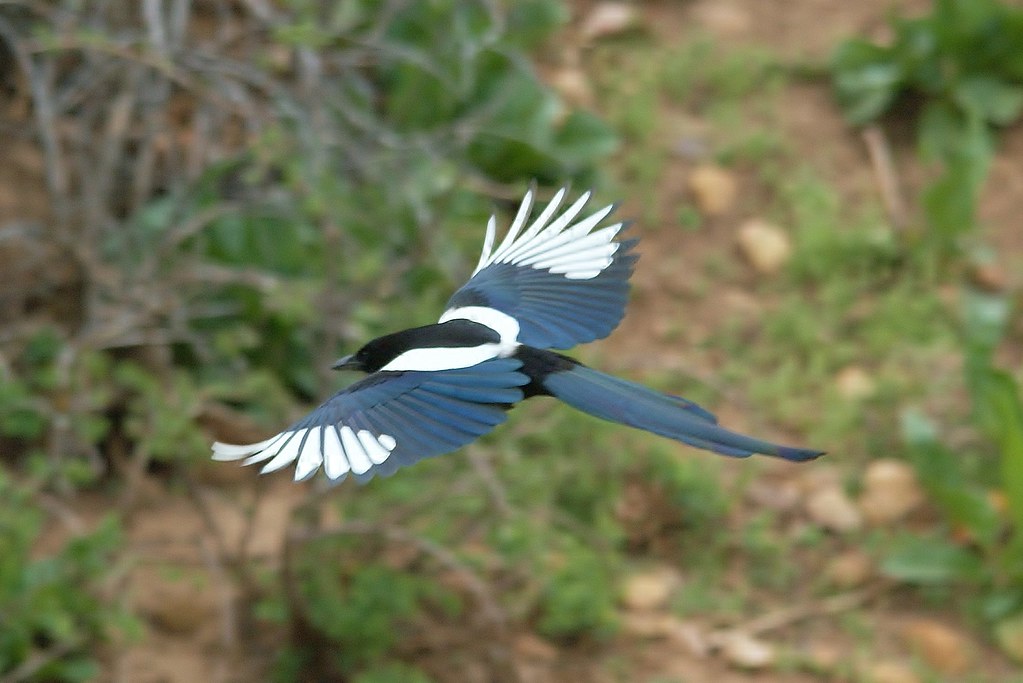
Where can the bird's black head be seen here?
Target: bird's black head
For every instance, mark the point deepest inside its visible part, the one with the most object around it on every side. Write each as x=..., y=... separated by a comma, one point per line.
x=382, y=350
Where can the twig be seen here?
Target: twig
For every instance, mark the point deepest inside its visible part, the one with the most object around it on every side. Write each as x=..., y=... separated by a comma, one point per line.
x=833, y=604
x=887, y=179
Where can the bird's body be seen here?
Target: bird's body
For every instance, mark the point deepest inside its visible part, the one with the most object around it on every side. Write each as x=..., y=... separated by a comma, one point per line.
x=435, y=388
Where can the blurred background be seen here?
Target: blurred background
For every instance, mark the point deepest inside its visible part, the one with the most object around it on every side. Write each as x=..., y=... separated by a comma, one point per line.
x=203, y=203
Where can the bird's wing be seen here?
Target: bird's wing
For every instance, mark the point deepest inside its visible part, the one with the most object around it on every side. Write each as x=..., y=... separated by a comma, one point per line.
x=560, y=282
x=389, y=420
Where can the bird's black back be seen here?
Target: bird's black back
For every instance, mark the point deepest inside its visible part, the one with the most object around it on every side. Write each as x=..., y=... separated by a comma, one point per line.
x=538, y=364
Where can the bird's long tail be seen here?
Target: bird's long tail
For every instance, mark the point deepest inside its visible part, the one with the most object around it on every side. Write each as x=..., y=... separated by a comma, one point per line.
x=619, y=400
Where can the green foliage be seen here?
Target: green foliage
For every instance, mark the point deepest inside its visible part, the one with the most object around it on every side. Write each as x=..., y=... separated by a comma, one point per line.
x=962, y=484
x=963, y=61
x=51, y=606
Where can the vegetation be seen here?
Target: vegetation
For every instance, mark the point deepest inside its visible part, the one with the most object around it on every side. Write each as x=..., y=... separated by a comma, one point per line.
x=963, y=66
x=242, y=190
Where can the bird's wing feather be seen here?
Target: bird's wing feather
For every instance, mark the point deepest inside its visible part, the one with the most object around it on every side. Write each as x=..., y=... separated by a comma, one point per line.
x=389, y=420
x=563, y=280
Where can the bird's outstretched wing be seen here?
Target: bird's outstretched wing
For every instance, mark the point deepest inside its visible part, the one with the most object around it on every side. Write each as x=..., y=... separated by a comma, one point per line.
x=559, y=283
x=389, y=420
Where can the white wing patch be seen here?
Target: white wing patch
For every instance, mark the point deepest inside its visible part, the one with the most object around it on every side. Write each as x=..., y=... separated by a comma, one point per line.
x=436, y=358
x=559, y=246
x=338, y=449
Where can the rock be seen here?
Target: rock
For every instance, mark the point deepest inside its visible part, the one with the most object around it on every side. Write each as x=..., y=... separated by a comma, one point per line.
x=609, y=19
x=1009, y=634
x=849, y=569
x=766, y=246
x=744, y=651
x=724, y=18
x=714, y=189
x=890, y=491
x=832, y=509
x=854, y=383
x=574, y=86
x=648, y=624
x=650, y=590
x=889, y=671
x=946, y=650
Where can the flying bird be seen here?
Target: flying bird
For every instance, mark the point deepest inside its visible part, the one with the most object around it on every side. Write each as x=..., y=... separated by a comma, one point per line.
x=559, y=282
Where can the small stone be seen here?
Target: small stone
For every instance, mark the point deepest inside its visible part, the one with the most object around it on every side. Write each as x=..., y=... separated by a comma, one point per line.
x=648, y=624
x=1009, y=634
x=609, y=19
x=890, y=491
x=854, y=383
x=832, y=509
x=889, y=671
x=947, y=651
x=574, y=86
x=714, y=189
x=650, y=590
x=766, y=246
x=724, y=18
x=849, y=569
x=744, y=651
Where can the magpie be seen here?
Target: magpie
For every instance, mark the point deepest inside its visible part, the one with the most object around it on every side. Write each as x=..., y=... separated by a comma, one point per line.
x=561, y=281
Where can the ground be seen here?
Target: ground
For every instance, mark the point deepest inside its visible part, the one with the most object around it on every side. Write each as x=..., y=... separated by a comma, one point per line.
x=193, y=625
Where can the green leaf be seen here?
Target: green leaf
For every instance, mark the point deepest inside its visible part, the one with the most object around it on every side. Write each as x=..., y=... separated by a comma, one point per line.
x=866, y=80
x=931, y=560
x=985, y=317
x=1003, y=410
x=530, y=22
x=991, y=98
x=942, y=476
x=583, y=139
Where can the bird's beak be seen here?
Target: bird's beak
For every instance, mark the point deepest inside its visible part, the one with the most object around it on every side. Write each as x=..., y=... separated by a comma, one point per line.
x=348, y=362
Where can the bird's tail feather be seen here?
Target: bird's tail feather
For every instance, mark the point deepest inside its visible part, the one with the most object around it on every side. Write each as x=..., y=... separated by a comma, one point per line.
x=619, y=400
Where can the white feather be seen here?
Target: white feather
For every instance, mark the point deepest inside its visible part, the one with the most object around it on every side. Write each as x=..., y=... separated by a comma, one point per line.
x=230, y=451
x=551, y=243
x=356, y=455
x=287, y=454
x=552, y=230
x=488, y=242
x=335, y=463
x=311, y=457
x=501, y=254
x=376, y=452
